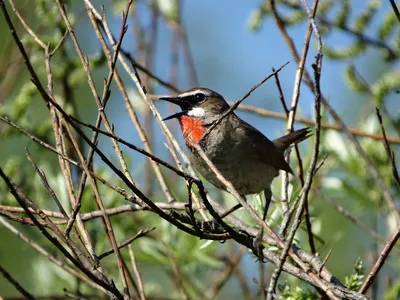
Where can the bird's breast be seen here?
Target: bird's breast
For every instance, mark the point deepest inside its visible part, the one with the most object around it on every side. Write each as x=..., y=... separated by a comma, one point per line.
x=192, y=129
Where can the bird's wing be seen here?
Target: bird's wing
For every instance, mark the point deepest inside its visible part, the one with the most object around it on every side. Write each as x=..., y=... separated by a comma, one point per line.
x=266, y=150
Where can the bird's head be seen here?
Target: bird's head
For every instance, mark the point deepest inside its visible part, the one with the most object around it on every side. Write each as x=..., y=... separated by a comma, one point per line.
x=200, y=103
x=200, y=108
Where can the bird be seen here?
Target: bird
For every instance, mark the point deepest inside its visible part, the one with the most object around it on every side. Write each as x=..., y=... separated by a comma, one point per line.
x=240, y=152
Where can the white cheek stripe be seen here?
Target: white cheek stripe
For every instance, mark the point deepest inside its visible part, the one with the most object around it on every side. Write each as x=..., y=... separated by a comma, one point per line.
x=197, y=112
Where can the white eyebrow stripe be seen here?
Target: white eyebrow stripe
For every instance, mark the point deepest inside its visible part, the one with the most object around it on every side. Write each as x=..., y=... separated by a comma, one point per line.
x=197, y=112
x=193, y=92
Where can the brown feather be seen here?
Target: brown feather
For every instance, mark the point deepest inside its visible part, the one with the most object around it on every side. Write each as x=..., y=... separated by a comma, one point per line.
x=267, y=150
x=293, y=137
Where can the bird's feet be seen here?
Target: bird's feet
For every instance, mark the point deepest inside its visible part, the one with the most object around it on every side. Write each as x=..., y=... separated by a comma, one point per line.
x=258, y=246
x=212, y=226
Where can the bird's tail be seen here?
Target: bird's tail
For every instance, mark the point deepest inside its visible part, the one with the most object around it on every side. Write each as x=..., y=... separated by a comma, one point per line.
x=294, y=137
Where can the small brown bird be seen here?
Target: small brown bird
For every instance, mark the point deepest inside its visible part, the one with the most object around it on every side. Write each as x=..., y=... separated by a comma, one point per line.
x=243, y=155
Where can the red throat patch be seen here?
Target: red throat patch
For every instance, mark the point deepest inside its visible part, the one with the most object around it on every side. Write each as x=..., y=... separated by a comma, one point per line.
x=192, y=129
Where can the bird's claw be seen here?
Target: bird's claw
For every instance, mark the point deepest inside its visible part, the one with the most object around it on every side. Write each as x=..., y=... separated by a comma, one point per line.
x=212, y=226
x=258, y=246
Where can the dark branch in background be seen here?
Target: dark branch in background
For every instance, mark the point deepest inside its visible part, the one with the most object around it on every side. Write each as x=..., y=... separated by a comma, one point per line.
x=16, y=284
x=237, y=103
x=390, y=244
x=350, y=217
x=102, y=282
x=389, y=152
x=63, y=264
x=313, y=164
x=379, y=263
x=244, y=235
x=261, y=111
x=395, y=9
x=109, y=231
x=283, y=116
x=163, y=206
x=103, y=103
x=345, y=28
x=134, y=189
x=372, y=170
x=226, y=273
x=140, y=234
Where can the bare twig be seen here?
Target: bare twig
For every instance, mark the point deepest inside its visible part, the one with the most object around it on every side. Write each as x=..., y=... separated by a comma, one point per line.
x=395, y=9
x=132, y=114
x=389, y=152
x=379, y=263
x=237, y=236
x=283, y=116
x=140, y=234
x=46, y=184
x=372, y=170
x=149, y=49
x=237, y=103
x=325, y=260
x=51, y=258
x=350, y=217
x=107, y=224
x=26, y=26
x=226, y=273
x=314, y=159
x=101, y=105
x=16, y=284
x=82, y=264
x=137, y=274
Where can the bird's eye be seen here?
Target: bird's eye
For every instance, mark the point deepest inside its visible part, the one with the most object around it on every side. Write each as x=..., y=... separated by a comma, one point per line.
x=199, y=97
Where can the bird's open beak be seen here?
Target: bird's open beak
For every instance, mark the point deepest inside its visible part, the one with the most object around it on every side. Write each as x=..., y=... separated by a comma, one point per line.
x=183, y=104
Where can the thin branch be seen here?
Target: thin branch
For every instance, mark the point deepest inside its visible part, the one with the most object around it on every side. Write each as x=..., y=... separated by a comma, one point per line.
x=26, y=26
x=45, y=183
x=372, y=170
x=241, y=239
x=132, y=114
x=101, y=106
x=313, y=164
x=221, y=279
x=389, y=152
x=283, y=116
x=395, y=9
x=237, y=103
x=16, y=284
x=107, y=224
x=138, y=235
x=350, y=217
x=137, y=274
x=17, y=193
x=62, y=264
x=379, y=263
